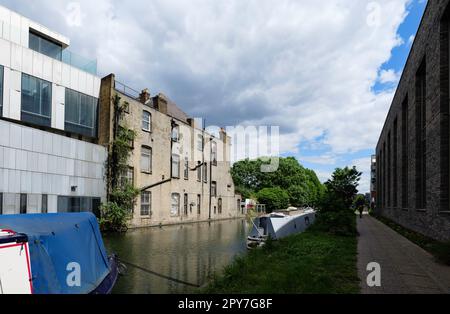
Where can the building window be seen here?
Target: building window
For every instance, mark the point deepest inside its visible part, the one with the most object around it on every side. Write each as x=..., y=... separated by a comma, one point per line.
x=219, y=205
x=36, y=100
x=214, y=189
x=69, y=204
x=1, y=90
x=127, y=177
x=405, y=158
x=389, y=172
x=146, y=203
x=175, y=166
x=199, y=204
x=146, y=121
x=146, y=159
x=421, y=160
x=238, y=206
x=43, y=45
x=23, y=203
x=81, y=113
x=186, y=168
x=205, y=172
x=175, y=133
x=200, y=142
x=1, y=203
x=185, y=204
x=214, y=153
x=199, y=171
x=44, y=204
x=175, y=208
x=395, y=164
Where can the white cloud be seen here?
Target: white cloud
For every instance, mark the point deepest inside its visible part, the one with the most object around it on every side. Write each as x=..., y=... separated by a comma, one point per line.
x=411, y=39
x=389, y=76
x=306, y=66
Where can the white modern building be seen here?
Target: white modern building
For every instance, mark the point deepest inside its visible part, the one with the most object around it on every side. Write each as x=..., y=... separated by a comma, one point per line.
x=49, y=161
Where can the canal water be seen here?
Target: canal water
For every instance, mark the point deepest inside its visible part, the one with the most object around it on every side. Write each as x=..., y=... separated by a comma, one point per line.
x=190, y=253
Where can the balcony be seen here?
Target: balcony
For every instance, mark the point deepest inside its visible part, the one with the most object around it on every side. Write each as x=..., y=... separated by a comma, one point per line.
x=16, y=35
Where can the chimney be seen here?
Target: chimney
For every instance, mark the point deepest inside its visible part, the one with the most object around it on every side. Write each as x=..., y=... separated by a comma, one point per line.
x=144, y=97
x=223, y=135
x=161, y=103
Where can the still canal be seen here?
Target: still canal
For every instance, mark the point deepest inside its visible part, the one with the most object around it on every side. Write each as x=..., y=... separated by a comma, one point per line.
x=188, y=253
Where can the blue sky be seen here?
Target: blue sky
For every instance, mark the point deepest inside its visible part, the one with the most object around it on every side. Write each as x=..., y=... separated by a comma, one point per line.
x=396, y=62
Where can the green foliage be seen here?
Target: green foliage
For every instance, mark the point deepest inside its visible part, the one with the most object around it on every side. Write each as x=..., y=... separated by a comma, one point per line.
x=302, y=184
x=360, y=202
x=121, y=196
x=342, y=223
x=310, y=262
x=273, y=198
x=344, y=185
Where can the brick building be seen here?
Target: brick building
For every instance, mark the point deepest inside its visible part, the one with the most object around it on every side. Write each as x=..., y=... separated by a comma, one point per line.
x=183, y=171
x=413, y=150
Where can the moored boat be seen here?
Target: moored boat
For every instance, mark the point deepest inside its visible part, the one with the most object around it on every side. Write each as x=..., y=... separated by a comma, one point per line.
x=54, y=254
x=279, y=225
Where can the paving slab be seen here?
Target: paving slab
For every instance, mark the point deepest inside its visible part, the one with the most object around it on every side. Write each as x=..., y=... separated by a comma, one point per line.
x=405, y=267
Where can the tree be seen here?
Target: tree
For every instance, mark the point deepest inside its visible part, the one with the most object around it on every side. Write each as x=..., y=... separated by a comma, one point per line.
x=274, y=198
x=343, y=186
x=302, y=184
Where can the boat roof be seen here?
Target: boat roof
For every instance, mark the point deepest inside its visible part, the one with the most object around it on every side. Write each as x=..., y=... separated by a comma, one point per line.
x=60, y=244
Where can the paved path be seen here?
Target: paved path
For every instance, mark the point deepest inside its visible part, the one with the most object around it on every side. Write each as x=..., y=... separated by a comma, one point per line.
x=405, y=267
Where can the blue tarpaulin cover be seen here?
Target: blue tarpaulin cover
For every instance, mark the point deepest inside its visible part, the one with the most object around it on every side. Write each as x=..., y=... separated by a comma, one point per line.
x=56, y=241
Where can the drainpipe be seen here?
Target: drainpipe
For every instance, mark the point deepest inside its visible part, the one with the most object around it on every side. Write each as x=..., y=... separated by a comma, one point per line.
x=210, y=176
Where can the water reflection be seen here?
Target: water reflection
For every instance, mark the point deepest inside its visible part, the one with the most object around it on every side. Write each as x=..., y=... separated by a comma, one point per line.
x=191, y=253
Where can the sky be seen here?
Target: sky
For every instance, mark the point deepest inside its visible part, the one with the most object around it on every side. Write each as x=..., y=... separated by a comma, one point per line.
x=325, y=72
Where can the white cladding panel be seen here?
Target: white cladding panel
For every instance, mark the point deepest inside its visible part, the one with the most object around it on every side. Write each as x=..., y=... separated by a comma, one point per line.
x=38, y=162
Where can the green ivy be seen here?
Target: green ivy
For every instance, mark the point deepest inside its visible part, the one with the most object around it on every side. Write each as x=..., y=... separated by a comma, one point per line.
x=116, y=213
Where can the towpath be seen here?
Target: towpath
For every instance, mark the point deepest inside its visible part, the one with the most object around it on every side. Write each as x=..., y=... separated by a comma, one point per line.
x=405, y=267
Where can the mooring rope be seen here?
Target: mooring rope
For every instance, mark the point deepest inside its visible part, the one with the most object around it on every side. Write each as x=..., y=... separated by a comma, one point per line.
x=160, y=275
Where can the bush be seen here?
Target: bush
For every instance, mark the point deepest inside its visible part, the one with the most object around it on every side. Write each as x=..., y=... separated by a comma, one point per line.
x=341, y=223
x=273, y=198
x=442, y=252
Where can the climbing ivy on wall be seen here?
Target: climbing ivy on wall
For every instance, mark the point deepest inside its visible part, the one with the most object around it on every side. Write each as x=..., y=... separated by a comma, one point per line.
x=116, y=213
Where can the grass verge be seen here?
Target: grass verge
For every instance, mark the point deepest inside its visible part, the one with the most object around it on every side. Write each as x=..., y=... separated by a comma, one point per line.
x=311, y=262
x=440, y=250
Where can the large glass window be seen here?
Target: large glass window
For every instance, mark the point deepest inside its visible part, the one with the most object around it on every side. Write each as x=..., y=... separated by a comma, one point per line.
x=175, y=206
x=1, y=90
x=36, y=100
x=81, y=113
x=176, y=133
x=146, y=159
x=69, y=204
x=146, y=201
x=42, y=45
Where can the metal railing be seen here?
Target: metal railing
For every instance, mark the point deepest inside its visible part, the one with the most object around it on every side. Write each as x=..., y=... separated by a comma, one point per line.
x=126, y=90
